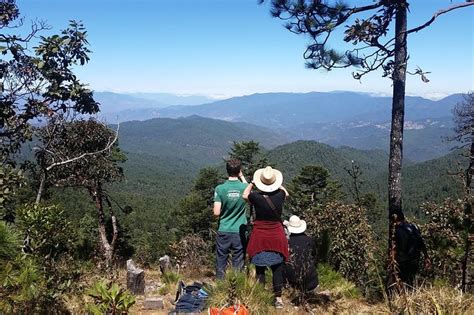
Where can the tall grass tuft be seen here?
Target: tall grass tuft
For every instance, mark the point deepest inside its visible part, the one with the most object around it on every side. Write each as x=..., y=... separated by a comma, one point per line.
x=170, y=279
x=333, y=281
x=433, y=300
x=243, y=290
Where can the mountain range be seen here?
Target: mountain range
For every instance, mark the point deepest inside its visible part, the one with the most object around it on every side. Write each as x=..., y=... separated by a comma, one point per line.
x=284, y=110
x=358, y=120
x=113, y=105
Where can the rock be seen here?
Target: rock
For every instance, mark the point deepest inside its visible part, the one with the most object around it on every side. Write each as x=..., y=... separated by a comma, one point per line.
x=165, y=263
x=135, y=278
x=153, y=303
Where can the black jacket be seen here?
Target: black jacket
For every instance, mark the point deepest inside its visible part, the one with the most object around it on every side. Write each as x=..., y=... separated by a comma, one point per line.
x=409, y=242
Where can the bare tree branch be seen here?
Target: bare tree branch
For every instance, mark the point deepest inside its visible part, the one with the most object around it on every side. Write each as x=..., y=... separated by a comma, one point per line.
x=63, y=162
x=441, y=12
x=109, y=145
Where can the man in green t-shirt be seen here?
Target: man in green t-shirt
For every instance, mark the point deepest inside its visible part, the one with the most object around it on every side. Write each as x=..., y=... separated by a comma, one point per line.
x=230, y=208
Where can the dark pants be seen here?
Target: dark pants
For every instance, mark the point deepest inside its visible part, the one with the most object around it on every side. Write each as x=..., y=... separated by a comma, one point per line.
x=303, y=278
x=277, y=277
x=408, y=271
x=225, y=244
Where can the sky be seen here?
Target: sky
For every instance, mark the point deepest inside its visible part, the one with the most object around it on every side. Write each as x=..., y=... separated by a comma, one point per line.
x=224, y=48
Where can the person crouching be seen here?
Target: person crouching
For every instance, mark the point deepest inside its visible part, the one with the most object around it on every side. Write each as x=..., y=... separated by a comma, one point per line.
x=300, y=270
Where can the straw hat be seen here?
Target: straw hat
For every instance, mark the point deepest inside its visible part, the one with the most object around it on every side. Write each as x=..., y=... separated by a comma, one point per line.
x=295, y=225
x=268, y=179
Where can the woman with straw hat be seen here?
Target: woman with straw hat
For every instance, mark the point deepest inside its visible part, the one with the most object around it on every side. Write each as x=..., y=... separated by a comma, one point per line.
x=268, y=246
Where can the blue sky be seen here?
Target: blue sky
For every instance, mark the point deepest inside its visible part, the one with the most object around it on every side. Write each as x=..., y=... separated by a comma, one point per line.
x=225, y=48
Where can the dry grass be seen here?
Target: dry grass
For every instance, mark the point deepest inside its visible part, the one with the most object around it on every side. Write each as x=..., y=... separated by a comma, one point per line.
x=433, y=300
x=246, y=290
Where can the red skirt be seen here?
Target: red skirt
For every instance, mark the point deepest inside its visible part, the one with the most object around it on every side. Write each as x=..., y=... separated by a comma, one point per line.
x=268, y=236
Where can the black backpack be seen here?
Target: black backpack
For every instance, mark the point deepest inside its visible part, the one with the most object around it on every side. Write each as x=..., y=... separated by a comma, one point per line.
x=414, y=241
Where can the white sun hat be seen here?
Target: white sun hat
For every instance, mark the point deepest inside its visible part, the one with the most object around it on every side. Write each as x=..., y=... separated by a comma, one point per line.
x=295, y=225
x=268, y=179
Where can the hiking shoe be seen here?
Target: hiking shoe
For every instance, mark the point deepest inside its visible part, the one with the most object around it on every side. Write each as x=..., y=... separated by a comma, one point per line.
x=279, y=303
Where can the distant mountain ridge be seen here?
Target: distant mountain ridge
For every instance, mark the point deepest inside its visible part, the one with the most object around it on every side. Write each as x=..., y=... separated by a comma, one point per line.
x=283, y=110
x=359, y=120
x=112, y=104
x=277, y=110
x=173, y=99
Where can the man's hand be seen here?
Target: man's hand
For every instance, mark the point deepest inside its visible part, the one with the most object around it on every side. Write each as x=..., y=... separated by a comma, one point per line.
x=242, y=177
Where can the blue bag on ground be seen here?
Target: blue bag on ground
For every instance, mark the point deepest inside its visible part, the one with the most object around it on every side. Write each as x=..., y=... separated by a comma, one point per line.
x=190, y=299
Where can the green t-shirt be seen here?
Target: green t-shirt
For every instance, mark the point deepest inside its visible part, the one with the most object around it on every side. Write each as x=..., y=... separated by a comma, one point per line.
x=233, y=206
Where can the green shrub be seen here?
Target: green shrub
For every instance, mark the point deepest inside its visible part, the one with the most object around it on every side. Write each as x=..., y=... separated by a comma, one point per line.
x=109, y=298
x=238, y=288
x=23, y=287
x=22, y=282
x=10, y=243
x=39, y=280
x=170, y=279
x=48, y=229
x=347, y=236
x=445, y=235
x=336, y=283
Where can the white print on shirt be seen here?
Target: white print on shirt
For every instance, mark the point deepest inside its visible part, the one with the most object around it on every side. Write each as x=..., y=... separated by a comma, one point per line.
x=233, y=194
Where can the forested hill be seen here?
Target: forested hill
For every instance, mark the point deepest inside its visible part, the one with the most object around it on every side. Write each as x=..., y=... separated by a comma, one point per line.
x=424, y=139
x=426, y=181
x=201, y=141
x=164, y=155
x=290, y=158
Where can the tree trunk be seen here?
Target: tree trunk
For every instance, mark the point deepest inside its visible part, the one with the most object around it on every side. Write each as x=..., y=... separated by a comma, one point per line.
x=114, y=224
x=466, y=283
x=41, y=187
x=107, y=248
x=470, y=170
x=398, y=113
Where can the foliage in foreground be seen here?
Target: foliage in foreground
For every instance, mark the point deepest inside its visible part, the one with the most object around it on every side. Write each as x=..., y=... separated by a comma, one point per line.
x=444, y=235
x=109, y=298
x=39, y=277
x=333, y=281
x=238, y=288
x=347, y=238
x=170, y=279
